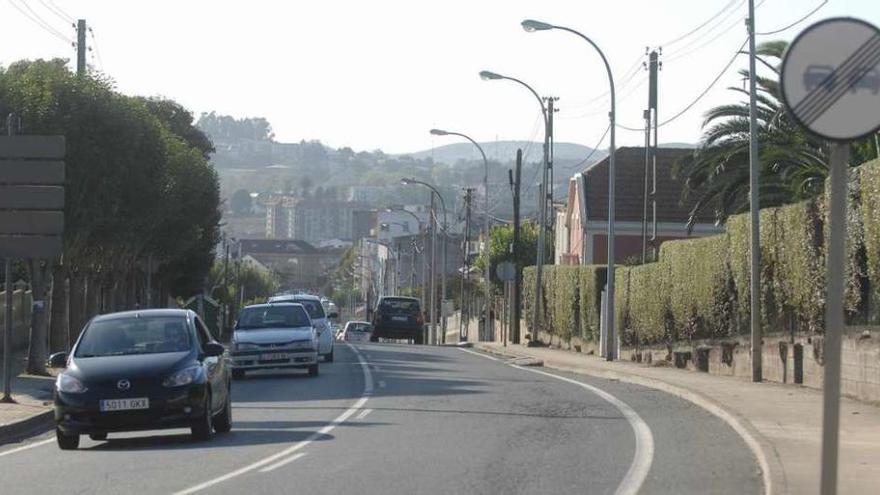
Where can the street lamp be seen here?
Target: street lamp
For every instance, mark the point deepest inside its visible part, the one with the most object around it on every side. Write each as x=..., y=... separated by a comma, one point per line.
x=532, y=26
x=411, y=181
x=542, y=206
x=440, y=132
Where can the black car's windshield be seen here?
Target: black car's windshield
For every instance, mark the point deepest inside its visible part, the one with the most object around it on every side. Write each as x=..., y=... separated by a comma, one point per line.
x=135, y=335
x=281, y=316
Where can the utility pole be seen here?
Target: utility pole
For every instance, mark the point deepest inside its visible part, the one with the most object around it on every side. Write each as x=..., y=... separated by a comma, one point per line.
x=542, y=232
x=515, y=181
x=433, y=273
x=13, y=124
x=754, y=211
x=650, y=116
x=551, y=220
x=81, y=47
x=462, y=334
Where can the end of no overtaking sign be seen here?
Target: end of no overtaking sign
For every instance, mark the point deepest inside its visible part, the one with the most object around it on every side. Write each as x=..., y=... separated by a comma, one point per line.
x=831, y=78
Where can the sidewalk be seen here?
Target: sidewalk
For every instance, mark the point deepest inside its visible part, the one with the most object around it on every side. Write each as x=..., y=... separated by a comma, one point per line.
x=781, y=423
x=32, y=410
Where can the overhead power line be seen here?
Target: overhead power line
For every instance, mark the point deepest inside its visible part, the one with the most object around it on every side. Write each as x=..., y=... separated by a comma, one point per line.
x=595, y=148
x=36, y=19
x=704, y=24
x=698, y=98
x=795, y=23
x=51, y=7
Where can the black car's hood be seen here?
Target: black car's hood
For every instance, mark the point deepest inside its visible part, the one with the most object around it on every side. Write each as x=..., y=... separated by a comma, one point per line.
x=97, y=369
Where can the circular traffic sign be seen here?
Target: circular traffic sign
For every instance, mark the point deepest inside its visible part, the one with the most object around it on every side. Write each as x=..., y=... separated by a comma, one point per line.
x=830, y=78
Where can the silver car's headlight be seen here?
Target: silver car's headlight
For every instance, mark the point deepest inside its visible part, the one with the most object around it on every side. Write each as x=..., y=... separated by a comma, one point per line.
x=302, y=344
x=69, y=385
x=244, y=346
x=183, y=377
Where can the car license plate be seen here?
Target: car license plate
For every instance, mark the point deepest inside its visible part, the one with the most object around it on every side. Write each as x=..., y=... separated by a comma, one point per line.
x=275, y=356
x=110, y=405
x=399, y=318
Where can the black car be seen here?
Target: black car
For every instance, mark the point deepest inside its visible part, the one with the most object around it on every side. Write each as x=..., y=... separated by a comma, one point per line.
x=398, y=318
x=142, y=370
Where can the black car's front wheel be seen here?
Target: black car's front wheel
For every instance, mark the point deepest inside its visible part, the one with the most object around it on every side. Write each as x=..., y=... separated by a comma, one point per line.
x=204, y=427
x=66, y=442
x=223, y=421
x=238, y=374
x=98, y=437
x=313, y=370
x=328, y=358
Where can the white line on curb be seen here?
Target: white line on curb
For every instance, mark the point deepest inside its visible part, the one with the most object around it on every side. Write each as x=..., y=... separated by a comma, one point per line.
x=368, y=389
x=28, y=446
x=282, y=463
x=644, y=451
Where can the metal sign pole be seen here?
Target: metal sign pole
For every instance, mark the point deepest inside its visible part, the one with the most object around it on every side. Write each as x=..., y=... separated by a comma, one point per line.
x=7, y=333
x=834, y=321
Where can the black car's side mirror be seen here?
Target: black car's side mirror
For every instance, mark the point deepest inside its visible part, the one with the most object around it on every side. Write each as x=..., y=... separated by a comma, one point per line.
x=57, y=360
x=333, y=315
x=213, y=349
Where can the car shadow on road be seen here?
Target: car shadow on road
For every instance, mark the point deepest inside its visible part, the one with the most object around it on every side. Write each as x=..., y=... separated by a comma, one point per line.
x=235, y=438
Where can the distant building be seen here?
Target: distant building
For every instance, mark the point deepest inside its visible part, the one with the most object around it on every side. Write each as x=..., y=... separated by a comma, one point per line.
x=310, y=219
x=582, y=229
x=298, y=264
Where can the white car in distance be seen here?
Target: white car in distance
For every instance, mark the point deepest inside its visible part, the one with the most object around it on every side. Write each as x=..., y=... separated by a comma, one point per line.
x=357, y=331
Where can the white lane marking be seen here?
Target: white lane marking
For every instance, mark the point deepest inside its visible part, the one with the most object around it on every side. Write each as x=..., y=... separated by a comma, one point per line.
x=381, y=383
x=364, y=413
x=644, y=452
x=482, y=355
x=282, y=463
x=368, y=390
x=26, y=447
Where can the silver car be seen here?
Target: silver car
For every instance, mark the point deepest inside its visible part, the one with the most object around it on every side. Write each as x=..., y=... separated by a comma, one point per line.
x=320, y=319
x=272, y=336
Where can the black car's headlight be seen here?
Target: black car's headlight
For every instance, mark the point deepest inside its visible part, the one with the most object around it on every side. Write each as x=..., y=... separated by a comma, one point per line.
x=69, y=385
x=183, y=377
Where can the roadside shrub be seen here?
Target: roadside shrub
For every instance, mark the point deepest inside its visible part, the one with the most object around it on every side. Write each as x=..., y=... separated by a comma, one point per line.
x=590, y=285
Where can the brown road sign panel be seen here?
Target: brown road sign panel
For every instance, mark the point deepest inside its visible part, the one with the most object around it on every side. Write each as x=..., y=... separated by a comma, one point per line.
x=31, y=172
x=32, y=147
x=31, y=222
x=30, y=246
x=31, y=198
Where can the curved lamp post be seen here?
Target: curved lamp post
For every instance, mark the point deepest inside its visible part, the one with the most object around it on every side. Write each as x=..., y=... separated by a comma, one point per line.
x=532, y=26
x=415, y=250
x=542, y=206
x=409, y=181
x=439, y=132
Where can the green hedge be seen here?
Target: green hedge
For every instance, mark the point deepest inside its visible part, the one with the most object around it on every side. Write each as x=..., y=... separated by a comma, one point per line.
x=700, y=288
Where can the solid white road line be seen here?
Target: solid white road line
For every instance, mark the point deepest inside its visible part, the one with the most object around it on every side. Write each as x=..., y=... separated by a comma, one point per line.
x=644, y=452
x=364, y=413
x=481, y=354
x=368, y=390
x=282, y=463
x=26, y=447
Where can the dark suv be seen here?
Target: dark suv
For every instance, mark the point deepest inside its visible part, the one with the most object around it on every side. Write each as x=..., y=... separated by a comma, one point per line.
x=398, y=318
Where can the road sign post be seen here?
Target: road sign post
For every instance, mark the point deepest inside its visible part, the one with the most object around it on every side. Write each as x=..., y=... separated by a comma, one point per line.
x=31, y=212
x=830, y=82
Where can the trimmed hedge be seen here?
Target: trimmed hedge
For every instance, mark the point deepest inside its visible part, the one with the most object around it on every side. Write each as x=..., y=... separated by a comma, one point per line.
x=700, y=288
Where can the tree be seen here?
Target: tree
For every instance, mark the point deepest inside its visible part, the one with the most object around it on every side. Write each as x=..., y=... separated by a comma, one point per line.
x=793, y=161
x=500, y=241
x=241, y=202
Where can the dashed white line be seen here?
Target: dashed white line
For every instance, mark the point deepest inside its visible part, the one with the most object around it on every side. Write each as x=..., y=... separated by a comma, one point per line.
x=368, y=390
x=644, y=451
x=364, y=413
x=282, y=463
x=26, y=447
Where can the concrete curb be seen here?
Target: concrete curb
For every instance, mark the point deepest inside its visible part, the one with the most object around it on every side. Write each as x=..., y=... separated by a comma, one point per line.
x=18, y=430
x=772, y=470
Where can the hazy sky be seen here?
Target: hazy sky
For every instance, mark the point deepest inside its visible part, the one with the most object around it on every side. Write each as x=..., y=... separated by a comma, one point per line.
x=379, y=73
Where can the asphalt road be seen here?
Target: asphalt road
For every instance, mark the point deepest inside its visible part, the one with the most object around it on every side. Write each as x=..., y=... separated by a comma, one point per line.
x=413, y=419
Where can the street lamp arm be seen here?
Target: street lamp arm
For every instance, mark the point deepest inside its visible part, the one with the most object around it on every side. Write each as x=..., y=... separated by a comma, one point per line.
x=535, y=93
x=601, y=54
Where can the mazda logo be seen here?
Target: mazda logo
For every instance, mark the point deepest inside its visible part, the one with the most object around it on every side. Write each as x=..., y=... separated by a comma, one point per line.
x=123, y=384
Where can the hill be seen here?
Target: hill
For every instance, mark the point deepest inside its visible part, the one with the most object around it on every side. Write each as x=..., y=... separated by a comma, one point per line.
x=503, y=151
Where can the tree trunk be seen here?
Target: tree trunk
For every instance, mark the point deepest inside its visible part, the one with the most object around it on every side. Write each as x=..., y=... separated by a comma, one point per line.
x=37, y=346
x=58, y=312
x=75, y=306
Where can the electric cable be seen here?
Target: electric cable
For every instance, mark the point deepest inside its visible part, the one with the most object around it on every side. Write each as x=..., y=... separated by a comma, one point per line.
x=41, y=23
x=795, y=23
x=704, y=24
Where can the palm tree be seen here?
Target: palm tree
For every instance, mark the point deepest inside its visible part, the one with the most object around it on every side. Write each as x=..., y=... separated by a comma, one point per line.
x=793, y=162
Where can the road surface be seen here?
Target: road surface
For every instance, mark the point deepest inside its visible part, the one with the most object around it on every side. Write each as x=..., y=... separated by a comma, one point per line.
x=398, y=419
